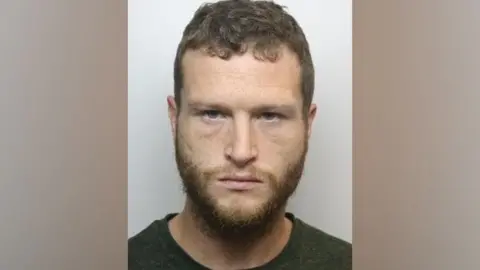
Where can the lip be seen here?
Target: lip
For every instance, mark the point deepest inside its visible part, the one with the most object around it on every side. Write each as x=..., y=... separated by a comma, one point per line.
x=239, y=183
x=240, y=178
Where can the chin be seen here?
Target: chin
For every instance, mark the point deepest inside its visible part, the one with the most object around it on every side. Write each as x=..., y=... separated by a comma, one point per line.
x=240, y=208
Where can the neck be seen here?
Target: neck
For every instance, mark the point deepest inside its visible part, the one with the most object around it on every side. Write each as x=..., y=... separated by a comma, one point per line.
x=216, y=252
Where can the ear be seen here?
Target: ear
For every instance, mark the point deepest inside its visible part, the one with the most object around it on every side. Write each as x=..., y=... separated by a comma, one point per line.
x=311, y=116
x=172, y=114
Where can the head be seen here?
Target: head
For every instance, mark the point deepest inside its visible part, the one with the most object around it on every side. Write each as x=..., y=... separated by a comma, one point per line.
x=242, y=112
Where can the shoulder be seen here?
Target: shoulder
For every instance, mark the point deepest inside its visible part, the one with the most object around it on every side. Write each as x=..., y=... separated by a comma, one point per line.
x=314, y=237
x=144, y=243
x=151, y=246
x=145, y=238
x=324, y=248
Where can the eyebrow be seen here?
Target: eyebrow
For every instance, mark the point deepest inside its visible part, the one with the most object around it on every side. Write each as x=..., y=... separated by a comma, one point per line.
x=281, y=108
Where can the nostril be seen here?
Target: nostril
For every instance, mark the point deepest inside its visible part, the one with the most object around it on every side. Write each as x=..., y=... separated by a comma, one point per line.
x=241, y=156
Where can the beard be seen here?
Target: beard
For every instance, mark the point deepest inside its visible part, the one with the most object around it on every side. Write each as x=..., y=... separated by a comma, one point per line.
x=235, y=225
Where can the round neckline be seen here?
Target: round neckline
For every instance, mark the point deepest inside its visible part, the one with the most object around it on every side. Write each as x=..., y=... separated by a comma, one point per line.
x=280, y=259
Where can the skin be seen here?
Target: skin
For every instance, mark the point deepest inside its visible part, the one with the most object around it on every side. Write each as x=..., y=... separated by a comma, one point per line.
x=241, y=116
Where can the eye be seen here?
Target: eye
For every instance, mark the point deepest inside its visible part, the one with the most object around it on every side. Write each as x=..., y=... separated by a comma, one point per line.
x=211, y=114
x=271, y=116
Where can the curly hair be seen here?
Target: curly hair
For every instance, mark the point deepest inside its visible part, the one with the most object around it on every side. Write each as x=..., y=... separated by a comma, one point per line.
x=232, y=27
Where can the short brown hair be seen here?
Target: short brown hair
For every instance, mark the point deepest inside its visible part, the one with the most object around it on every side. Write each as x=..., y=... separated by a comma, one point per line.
x=230, y=27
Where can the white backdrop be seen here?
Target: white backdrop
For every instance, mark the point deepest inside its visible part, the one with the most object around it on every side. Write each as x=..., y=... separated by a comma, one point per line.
x=324, y=197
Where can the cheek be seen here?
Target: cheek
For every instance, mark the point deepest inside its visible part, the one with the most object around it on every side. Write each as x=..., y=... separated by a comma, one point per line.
x=281, y=149
x=203, y=132
x=202, y=147
x=282, y=140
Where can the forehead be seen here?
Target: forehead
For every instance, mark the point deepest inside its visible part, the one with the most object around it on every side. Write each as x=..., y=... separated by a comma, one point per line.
x=242, y=77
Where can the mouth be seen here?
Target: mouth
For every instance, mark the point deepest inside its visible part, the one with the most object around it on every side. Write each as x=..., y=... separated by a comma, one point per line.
x=239, y=183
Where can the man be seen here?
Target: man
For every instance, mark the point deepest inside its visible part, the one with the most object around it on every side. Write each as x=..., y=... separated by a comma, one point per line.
x=241, y=117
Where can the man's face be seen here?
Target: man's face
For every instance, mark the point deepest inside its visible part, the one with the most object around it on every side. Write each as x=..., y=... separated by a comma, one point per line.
x=240, y=136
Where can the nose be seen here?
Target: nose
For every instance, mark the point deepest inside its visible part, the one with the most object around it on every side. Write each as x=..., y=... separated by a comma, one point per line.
x=242, y=149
